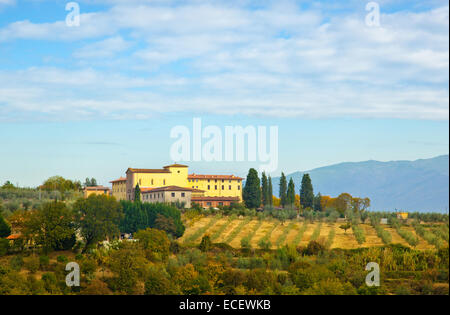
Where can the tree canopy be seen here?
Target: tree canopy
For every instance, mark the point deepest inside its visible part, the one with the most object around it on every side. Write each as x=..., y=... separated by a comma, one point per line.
x=60, y=184
x=98, y=217
x=283, y=190
x=306, y=192
x=252, y=190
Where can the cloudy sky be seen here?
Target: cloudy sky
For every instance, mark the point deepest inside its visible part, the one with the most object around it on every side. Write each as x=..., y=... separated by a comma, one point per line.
x=94, y=99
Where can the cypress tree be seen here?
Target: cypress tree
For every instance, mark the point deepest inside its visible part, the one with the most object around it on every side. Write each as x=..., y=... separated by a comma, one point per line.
x=291, y=193
x=264, y=190
x=283, y=190
x=252, y=190
x=270, y=192
x=137, y=193
x=317, y=202
x=306, y=192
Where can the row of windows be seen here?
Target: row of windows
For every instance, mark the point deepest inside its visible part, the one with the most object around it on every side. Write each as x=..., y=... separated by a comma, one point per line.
x=223, y=181
x=209, y=204
x=223, y=187
x=158, y=195
x=152, y=182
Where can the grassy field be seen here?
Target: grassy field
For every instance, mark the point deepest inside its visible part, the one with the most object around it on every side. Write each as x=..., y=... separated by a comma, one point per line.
x=232, y=230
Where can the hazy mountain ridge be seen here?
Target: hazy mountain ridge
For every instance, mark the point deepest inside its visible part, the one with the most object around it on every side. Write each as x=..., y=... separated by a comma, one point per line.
x=420, y=185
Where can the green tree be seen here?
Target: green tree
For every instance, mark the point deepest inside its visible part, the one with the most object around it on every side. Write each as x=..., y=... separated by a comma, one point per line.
x=252, y=190
x=8, y=185
x=318, y=202
x=306, y=192
x=5, y=229
x=97, y=217
x=205, y=244
x=60, y=184
x=343, y=203
x=265, y=190
x=270, y=191
x=51, y=226
x=158, y=282
x=345, y=227
x=137, y=193
x=283, y=190
x=90, y=182
x=128, y=265
x=154, y=241
x=290, y=195
x=166, y=224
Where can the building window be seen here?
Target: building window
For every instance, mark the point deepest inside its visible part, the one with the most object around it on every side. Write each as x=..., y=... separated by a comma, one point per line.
x=173, y=194
x=220, y=203
x=223, y=187
x=239, y=187
x=209, y=180
x=229, y=181
x=208, y=204
x=229, y=187
x=183, y=194
x=215, y=187
x=209, y=187
x=215, y=181
x=152, y=181
x=223, y=181
x=164, y=181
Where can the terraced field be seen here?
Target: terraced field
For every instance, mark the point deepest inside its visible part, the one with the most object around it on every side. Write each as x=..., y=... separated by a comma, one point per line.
x=233, y=230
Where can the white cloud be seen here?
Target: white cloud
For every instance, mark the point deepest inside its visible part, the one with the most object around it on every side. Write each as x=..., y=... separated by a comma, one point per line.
x=103, y=49
x=277, y=60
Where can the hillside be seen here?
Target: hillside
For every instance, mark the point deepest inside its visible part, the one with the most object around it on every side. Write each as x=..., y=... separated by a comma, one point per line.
x=421, y=185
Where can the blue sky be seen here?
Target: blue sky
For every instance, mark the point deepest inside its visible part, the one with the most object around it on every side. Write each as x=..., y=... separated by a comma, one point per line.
x=95, y=99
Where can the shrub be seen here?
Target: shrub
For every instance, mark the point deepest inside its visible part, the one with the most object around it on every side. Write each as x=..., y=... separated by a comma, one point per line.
x=32, y=264
x=314, y=248
x=264, y=244
x=16, y=263
x=316, y=232
x=300, y=233
x=385, y=236
x=205, y=244
x=245, y=243
x=359, y=234
x=4, y=246
x=61, y=259
x=44, y=261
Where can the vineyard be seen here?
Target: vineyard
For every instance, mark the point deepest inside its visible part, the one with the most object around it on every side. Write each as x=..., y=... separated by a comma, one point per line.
x=272, y=233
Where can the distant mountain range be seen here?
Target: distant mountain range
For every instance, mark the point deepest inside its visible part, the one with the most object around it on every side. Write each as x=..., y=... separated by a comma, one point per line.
x=421, y=185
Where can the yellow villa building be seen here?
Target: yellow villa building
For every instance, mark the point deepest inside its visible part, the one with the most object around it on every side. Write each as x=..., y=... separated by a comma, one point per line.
x=207, y=190
x=96, y=190
x=119, y=188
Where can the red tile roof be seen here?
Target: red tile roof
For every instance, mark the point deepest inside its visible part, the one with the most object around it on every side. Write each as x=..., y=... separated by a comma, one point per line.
x=14, y=236
x=146, y=170
x=121, y=179
x=97, y=188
